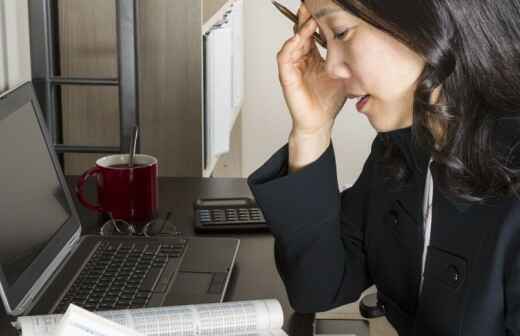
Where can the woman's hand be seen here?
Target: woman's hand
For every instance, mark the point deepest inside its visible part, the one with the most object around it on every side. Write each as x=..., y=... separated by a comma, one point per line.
x=313, y=97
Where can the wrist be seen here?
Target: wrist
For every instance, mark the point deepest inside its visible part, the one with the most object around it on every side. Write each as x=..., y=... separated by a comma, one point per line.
x=305, y=147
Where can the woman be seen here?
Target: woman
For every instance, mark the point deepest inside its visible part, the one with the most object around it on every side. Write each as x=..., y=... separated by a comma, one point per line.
x=434, y=218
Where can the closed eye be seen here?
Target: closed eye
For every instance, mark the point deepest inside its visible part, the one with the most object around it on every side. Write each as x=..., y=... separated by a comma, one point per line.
x=339, y=36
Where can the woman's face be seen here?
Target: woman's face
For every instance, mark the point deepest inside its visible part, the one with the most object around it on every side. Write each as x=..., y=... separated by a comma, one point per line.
x=369, y=61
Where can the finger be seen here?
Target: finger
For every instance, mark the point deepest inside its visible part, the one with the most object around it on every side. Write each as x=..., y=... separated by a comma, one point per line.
x=301, y=41
x=287, y=71
x=305, y=34
x=298, y=54
x=307, y=29
x=303, y=15
x=284, y=55
x=298, y=23
x=309, y=48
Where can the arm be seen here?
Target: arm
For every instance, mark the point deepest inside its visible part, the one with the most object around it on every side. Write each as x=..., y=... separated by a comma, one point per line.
x=512, y=274
x=319, y=233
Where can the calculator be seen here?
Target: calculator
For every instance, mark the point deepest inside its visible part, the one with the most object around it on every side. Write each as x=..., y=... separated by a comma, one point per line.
x=228, y=214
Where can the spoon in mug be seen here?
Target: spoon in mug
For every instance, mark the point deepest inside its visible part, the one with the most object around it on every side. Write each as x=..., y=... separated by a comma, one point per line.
x=133, y=146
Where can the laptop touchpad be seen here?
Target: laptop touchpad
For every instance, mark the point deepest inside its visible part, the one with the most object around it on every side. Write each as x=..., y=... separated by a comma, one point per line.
x=208, y=255
x=190, y=288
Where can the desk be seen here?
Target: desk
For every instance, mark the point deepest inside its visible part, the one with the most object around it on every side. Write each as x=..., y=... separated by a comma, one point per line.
x=254, y=275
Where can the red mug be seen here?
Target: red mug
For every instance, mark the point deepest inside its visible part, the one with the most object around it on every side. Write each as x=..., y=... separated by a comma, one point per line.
x=128, y=193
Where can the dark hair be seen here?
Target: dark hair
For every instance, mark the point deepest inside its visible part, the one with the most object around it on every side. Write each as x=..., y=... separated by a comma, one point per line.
x=472, y=50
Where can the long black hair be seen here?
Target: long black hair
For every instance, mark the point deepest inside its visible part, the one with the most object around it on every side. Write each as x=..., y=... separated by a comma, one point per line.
x=472, y=53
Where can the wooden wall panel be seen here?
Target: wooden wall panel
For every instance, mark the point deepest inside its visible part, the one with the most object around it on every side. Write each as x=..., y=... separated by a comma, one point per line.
x=88, y=48
x=210, y=7
x=170, y=85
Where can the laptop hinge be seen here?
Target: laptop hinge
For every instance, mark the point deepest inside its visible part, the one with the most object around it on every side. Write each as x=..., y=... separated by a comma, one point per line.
x=30, y=298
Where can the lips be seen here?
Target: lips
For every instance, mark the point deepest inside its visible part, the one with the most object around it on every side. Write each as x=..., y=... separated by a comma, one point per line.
x=361, y=102
x=359, y=98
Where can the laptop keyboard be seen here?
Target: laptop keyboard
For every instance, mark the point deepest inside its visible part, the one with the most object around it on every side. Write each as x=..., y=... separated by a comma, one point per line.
x=124, y=275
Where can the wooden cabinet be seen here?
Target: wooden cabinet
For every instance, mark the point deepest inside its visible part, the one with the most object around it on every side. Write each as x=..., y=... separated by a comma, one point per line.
x=171, y=86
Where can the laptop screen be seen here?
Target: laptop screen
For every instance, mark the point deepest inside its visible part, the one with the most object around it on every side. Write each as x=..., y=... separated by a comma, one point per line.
x=34, y=205
x=38, y=218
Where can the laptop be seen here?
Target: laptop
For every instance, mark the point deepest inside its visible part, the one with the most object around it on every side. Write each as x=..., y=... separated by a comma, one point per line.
x=45, y=263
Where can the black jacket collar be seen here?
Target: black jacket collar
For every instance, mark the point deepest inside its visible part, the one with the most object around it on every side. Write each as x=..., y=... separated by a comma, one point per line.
x=417, y=158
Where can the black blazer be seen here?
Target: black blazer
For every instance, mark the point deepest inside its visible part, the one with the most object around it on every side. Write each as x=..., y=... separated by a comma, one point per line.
x=330, y=246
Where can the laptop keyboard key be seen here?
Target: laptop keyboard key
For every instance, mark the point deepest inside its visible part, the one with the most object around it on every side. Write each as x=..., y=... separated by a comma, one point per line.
x=168, y=272
x=155, y=300
x=150, y=280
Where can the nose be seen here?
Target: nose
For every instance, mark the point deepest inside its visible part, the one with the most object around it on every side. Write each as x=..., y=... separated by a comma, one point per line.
x=335, y=65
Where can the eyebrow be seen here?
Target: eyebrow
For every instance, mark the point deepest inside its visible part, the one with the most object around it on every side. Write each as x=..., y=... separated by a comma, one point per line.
x=325, y=11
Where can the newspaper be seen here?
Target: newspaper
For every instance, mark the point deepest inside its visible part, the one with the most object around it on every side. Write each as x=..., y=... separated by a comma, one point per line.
x=241, y=318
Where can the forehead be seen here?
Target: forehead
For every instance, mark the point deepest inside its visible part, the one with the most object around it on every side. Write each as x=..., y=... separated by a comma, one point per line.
x=323, y=8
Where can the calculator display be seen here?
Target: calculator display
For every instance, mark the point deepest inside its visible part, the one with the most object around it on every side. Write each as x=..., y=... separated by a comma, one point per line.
x=227, y=202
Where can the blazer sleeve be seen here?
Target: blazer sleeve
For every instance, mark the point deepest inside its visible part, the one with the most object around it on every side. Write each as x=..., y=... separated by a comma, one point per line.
x=512, y=273
x=319, y=233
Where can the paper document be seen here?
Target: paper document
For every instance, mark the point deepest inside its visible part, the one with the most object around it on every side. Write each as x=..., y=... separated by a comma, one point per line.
x=242, y=318
x=80, y=322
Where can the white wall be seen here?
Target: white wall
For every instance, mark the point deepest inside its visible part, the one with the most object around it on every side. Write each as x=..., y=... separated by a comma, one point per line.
x=265, y=119
x=15, y=59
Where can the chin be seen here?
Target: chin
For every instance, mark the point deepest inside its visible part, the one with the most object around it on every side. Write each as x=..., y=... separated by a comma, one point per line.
x=383, y=126
x=379, y=125
x=388, y=116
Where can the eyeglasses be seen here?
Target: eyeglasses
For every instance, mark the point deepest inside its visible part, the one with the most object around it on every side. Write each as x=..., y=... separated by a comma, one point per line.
x=155, y=227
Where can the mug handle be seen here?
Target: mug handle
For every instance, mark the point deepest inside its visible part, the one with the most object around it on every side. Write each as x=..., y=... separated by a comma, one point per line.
x=80, y=186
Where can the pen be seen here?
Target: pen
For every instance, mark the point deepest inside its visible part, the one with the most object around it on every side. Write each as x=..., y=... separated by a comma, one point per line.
x=291, y=16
